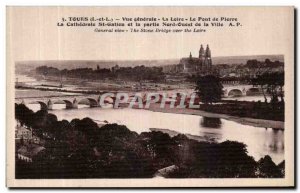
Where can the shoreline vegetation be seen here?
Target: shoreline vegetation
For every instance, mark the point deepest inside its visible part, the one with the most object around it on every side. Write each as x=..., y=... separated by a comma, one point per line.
x=82, y=149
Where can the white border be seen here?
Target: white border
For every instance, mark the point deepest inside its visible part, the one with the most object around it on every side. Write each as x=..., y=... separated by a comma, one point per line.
x=4, y=3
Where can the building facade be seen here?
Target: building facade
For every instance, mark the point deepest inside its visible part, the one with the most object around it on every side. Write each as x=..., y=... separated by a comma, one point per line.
x=23, y=133
x=198, y=65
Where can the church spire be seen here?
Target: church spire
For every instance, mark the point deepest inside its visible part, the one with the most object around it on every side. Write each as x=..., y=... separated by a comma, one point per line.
x=190, y=54
x=201, y=51
x=207, y=52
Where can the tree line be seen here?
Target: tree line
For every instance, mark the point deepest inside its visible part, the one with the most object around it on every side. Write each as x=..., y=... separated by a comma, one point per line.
x=136, y=73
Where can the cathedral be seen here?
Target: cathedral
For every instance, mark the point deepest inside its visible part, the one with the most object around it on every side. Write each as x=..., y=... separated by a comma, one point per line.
x=199, y=65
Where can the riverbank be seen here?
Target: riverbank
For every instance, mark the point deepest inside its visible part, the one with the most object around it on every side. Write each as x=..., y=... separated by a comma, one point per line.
x=241, y=120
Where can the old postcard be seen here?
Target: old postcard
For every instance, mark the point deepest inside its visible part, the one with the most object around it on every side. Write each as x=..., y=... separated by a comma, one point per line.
x=150, y=96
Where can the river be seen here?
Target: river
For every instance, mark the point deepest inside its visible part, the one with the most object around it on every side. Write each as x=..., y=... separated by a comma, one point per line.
x=259, y=141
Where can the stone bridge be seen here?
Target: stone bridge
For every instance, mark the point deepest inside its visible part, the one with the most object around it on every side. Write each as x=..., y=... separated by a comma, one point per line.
x=71, y=101
x=240, y=90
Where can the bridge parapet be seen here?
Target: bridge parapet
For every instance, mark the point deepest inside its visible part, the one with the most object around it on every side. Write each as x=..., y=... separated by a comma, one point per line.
x=70, y=101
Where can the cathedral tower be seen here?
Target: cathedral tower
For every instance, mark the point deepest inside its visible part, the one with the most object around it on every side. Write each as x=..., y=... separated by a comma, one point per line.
x=207, y=52
x=201, y=52
x=207, y=62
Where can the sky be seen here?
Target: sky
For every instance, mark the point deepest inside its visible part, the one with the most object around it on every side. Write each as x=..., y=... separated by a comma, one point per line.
x=32, y=34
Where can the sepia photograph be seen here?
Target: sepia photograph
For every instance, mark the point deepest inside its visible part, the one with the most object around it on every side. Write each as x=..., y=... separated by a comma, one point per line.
x=150, y=96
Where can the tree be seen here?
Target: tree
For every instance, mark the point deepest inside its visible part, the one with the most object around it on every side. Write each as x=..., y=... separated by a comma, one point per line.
x=280, y=83
x=209, y=89
x=272, y=83
x=24, y=114
x=268, y=169
x=272, y=86
x=261, y=82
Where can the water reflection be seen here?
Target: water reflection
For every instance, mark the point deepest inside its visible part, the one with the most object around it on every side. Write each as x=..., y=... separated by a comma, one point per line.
x=274, y=140
x=210, y=122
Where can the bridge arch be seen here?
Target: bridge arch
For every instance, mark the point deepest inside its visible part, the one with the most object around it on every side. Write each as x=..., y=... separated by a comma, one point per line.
x=235, y=92
x=69, y=103
x=90, y=101
x=43, y=105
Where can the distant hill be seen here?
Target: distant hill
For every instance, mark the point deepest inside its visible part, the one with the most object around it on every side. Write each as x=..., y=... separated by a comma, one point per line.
x=71, y=64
